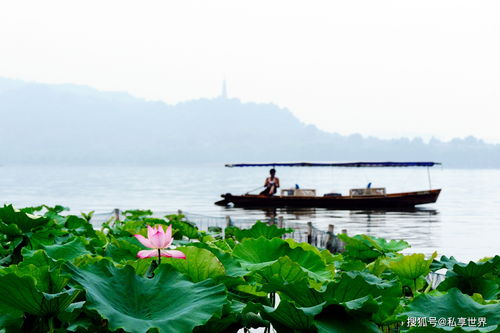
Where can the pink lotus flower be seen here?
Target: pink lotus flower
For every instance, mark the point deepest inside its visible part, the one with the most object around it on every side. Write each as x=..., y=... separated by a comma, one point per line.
x=158, y=240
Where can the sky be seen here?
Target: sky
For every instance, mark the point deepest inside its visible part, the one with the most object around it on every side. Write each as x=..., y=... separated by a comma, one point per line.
x=380, y=68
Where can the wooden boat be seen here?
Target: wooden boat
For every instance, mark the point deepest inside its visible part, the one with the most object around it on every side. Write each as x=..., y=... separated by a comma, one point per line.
x=393, y=200
x=360, y=198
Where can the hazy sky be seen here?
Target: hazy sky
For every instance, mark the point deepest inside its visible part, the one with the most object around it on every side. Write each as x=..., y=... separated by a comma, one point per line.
x=383, y=68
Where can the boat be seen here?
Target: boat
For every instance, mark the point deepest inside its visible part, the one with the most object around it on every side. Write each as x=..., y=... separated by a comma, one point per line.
x=357, y=198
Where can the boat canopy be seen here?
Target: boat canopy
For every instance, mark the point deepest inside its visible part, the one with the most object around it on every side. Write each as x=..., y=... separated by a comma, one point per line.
x=344, y=164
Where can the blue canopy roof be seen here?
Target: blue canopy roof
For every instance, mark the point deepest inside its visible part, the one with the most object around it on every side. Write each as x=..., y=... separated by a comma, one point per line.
x=347, y=165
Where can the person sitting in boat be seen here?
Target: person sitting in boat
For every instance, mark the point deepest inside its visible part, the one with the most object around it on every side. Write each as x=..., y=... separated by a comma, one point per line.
x=271, y=184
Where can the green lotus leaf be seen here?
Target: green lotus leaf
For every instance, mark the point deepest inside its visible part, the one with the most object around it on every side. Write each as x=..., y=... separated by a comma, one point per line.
x=184, y=228
x=385, y=246
x=453, y=304
x=199, y=265
x=335, y=318
x=368, y=248
x=288, y=318
x=168, y=301
x=226, y=245
x=80, y=325
x=20, y=293
x=411, y=266
x=37, y=258
x=79, y=226
x=10, y=230
x=235, y=315
x=132, y=227
x=260, y=229
x=53, y=214
x=350, y=264
x=354, y=285
x=488, y=288
x=67, y=251
x=45, y=271
x=362, y=291
x=282, y=272
x=122, y=249
x=137, y=214
x=24, y=222
x=258, y=253
x=443, y=262
x=32, y=209
x=474, y=270
x=10, y=319
x=306, y=247
x=144, y=267
x=23, y=294
x=300, y=292
x=231, y=265
x=311, y=263
x=250, y=289
x=480, y=299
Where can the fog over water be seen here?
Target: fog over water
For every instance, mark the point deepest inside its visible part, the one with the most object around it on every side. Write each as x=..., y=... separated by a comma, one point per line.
x=464, y=222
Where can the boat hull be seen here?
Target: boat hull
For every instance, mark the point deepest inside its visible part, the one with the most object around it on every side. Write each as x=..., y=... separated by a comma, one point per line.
x=394, y=200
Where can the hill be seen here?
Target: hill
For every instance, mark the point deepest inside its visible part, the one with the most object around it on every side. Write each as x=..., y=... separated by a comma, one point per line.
x=70, y=124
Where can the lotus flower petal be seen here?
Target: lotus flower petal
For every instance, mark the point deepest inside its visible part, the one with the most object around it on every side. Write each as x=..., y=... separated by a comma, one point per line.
x=144, y=241
x=168, y=236
x=164, y=240
x=173, y=254
x=151, y=231
x=157, y=240
x=147, y=254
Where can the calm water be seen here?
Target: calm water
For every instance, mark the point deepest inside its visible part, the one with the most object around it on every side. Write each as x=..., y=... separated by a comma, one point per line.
x=465, y=222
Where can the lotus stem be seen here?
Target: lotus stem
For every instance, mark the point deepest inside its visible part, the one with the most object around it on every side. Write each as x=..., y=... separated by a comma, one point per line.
x=159, y=257
x=51, y=324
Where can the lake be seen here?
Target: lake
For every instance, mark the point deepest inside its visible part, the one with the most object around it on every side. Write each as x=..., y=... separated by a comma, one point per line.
x=465, y=221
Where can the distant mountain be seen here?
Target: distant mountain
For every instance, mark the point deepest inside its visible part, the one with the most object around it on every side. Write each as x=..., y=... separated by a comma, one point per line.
x=42, y=123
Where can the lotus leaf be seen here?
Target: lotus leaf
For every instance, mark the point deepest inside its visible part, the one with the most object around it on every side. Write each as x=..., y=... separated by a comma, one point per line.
x=456, y=305
x=369, y=248
x=335, y=318
x=67, y=251
x=288, y=318
x=258, y=253
x=23, y=221
x=199, y=265
x=168, y=302
x=260, y=229
x=411, y=266
x=42, y=296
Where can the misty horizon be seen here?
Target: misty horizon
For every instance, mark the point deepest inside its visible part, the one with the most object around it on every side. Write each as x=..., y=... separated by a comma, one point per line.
x=69, y=124
x=12, y=83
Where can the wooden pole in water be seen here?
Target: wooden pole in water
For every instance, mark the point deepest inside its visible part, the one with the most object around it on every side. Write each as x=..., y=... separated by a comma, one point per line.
x=281, y=224
x=309, y=232
x=329, y=240
x=116, y=211
x=228, y=221
x=179, y=212
x=341, y=243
